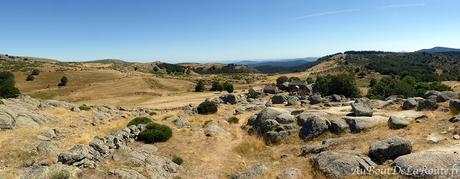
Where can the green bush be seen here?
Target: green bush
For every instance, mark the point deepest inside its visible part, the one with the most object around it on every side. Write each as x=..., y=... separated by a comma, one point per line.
x=63, y=174
x=408, y=87
x=216, y=86
x=7, y=85
x=207, y=107
x=200, y=86
x=228, y=87
x=233, y=120
x=35, y=72
x=140, y=120
x=310, y=80
x=343, y=84
x=282, y=79
x=30, y=78
x=178, y=160
x=84, y=107
x=294, y=79
x=155, y=133
x=64, y=81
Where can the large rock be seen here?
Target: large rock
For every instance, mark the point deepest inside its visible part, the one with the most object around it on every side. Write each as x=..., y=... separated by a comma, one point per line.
x=271, y=89
x=446, y=96
x=212, y=129
x=358, y=124
x=428, y=104
x=313, y=127
x=389, y=149
x=429, y=163
x=278, y=99
x=292, y=101
x=154, y=165
x=7, y=118
x=315, y=99
x=455, y=105
x=362, y=107
x=255, y=171
x=338, y=126
x=272, y=123
x=47, y=149
x=398, y=122
x=409, y=104
x=341, y=163
x=182, y=123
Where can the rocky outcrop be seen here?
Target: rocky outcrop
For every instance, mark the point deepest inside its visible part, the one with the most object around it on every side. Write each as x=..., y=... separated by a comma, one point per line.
x=389, y=149
x=342, y=163
x=13, y=115
x=292, y=101
x=446, y=96
x=338, y=126
x=362, y=107
x=455, y=105
x=274, y=124
x=52, y=171
x=87, y=156
x=255, y=171
x=315, y=99
x=271, y=89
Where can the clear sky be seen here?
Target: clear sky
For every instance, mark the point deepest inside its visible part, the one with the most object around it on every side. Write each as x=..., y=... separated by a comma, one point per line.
x=218, y=30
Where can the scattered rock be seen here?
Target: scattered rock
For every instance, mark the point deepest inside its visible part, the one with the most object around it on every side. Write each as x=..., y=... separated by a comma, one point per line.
x=427, y=104
x=435, y=138
x=255, y=171
x=338, y=126
x=47, y=149
x=409, y=104
x=285, y=118
x=313, y=127
x=455, y=105
x=317, y=148
x=290, y=173
x=455, y=119
x=182, y=123
x=362, y=107
x=278, y=99
x=456, y=137
x=397, y=122
x=292, y=101
x=271, y=89
x=338, y=164
x=265, y=124
x=52, y=171
x=315, y=99
x=389, y=149
x=446, y=96
x=358, y=124
x=212, y=129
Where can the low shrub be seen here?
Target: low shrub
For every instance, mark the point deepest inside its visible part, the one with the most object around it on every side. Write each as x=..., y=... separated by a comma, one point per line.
x=155, y=132
x=178, y=160
x=233, y=120
x=343, y=84
x=228, y=87
x=140, y=120
x=200, y=87
x=30, y=78
x=8, y=85
x=64, y=81
x=216, y=86
x=84, y=107
x=63, y=174
x=280, y=80
x=35, y=72
x=207, y=107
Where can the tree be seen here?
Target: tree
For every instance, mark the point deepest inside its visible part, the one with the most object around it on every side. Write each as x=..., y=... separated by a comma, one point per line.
x=7, y=85
x=30, y=78
x=228, y=87
x=343, y=84
x=200, y=86
x=310, y=80
x=216, y=86
x=64, y=81
x=281, y=80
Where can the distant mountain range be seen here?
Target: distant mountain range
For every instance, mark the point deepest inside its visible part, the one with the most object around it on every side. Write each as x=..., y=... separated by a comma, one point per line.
x=280, y=62
x=439, y=50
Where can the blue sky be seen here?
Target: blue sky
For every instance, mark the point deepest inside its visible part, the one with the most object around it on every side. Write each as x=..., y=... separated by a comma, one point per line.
x=222, y=30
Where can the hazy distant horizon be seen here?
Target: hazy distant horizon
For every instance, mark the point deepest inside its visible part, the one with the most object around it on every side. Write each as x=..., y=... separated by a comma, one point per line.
x=212, y=31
